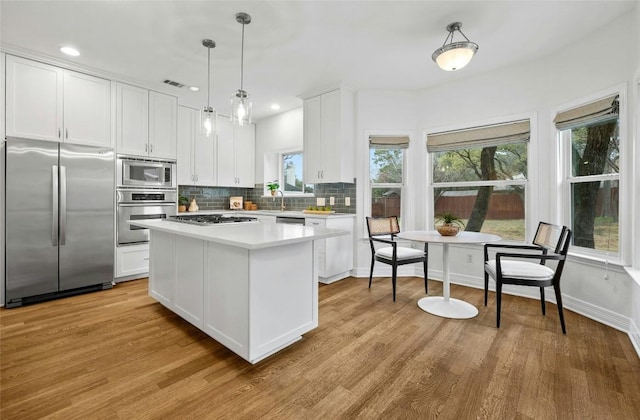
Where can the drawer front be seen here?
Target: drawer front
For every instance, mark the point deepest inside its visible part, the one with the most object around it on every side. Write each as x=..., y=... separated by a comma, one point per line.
x=321, y=223
x=132, y=260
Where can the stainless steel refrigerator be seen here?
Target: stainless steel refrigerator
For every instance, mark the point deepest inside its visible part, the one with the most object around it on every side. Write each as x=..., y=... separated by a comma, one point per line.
x=58, y=219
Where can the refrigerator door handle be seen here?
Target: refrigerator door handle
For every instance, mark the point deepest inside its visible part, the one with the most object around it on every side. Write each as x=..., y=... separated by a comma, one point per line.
x=63, y=205
x=54, y=205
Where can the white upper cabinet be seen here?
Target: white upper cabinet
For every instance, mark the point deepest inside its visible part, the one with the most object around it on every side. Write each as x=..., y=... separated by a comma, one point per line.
x=132, y=120
x=329, y=136
x=184, y=154
x=235, y=155
x=195, y=154
x=146, y=122
x=163, y=116
x=49, y=103
x=87, y=109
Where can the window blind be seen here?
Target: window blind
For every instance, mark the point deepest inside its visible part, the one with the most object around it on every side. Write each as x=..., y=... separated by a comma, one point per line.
x=484, y=136
x=388, y=142
x=599, y=111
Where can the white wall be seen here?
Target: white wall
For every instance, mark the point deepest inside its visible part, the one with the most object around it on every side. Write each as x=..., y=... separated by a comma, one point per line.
x=635, y=293
x=282, y=132
x=535, y=88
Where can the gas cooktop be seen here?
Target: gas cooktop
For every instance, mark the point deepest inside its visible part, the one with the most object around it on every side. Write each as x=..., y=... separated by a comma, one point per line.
x=209, y=219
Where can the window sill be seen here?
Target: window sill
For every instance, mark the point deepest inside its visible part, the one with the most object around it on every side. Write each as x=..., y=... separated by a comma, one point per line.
x=634, y=273
x=290, y=195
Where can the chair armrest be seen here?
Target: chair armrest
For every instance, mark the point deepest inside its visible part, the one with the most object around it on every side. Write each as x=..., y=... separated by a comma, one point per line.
x=542, y=257
x=508, y=246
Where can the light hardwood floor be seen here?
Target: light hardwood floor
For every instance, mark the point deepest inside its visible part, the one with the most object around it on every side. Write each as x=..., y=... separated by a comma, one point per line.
x=119, y=354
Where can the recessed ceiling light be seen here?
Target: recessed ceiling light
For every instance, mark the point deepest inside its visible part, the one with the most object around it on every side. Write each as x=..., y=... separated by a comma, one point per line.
x=194, y=88
x=275, y=107
x=70, y=51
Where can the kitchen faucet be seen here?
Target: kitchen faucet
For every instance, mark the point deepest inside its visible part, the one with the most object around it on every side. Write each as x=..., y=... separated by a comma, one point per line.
x=282, y=206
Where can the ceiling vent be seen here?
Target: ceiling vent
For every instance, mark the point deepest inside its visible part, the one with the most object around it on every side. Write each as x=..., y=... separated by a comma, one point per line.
x=173, y=83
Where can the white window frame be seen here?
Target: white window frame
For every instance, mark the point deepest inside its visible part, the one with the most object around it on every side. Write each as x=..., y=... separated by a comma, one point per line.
x=405, y=173
x=566, y=179
x=281, y=155
x=530, y=189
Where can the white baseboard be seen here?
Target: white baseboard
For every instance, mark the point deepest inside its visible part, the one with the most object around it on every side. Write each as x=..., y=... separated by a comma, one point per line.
x=634, y=336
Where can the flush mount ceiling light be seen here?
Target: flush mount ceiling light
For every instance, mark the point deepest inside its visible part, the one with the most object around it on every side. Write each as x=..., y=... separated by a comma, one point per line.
x=209, y=115
x=70, y=51
x=454, y=55
x=241, y=100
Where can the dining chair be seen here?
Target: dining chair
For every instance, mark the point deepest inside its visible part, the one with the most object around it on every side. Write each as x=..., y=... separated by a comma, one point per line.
x=528, y=267
x=383, y=230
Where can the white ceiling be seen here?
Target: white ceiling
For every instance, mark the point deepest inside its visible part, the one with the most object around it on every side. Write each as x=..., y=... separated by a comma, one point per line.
x=294, y=46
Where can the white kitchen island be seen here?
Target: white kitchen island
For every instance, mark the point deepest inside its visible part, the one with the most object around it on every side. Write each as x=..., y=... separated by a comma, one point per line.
x=253, y=287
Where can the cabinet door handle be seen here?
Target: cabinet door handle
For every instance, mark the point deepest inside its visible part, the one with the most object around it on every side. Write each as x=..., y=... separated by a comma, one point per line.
x=145, y=148
x=151, y=147
x=66, y=133
x=59, y=133
x=197, y=177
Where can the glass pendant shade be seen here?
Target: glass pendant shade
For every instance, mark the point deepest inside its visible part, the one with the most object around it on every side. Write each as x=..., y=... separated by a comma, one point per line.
x=241, y=108
x=209, y=119
x=454, y=55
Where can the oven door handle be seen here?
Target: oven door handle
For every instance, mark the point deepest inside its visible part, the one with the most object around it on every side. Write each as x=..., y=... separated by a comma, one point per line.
x=146, y=163
x=161, y=204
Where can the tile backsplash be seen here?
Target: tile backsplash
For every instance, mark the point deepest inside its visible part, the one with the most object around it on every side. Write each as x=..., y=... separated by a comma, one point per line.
x=217, y=198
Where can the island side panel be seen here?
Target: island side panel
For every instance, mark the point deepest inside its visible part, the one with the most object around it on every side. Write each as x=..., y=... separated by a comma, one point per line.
x=191, y=268
x=283, y=297
x=226, y=297
x=162, y=268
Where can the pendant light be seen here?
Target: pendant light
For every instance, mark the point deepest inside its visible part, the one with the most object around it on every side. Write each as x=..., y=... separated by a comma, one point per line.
x=209, y=116
x=241, y=100
x=454, y=55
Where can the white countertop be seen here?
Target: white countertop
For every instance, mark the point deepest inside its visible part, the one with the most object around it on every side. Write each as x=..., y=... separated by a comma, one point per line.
x=253, y=235
x=286, y=213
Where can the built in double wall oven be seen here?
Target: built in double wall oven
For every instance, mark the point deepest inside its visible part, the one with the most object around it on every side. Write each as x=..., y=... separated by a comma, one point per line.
x=146, y=189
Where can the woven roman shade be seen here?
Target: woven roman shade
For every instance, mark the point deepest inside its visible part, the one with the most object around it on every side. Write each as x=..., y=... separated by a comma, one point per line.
x=485, y=136
x=606, y=109
x=388, y=142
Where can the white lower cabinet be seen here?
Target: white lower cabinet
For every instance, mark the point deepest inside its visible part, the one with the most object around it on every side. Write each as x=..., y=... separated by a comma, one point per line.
x=132, y=260
x=335, y=255
x=253, y=301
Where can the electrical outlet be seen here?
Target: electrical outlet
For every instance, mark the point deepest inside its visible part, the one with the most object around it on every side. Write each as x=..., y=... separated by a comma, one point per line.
x=347, y=201
x=469, y=259
x=332, y=201
x=320, y=201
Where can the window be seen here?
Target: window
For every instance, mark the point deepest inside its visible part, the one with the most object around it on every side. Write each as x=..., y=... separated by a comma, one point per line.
x=480, y=175
x=386, y=174
x=291, y=174
x=591, y=141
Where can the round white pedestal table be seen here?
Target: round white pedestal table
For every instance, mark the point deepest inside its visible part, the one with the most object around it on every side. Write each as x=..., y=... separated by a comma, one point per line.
x=444, y=305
